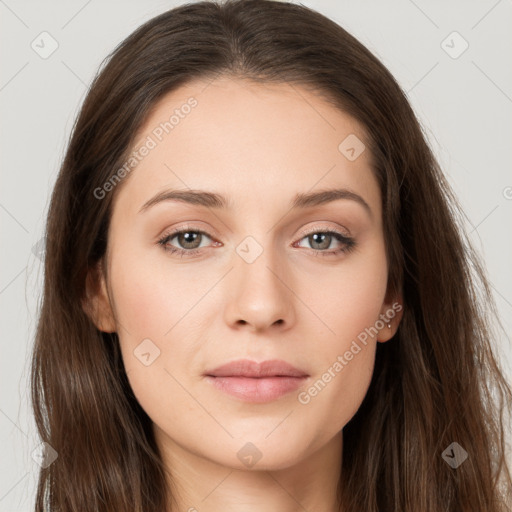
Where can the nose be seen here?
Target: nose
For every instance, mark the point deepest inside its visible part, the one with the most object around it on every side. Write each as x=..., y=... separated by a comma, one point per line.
x=260, y=295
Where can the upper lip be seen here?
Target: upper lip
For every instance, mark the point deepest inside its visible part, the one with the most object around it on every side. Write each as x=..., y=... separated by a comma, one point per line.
x=248, y=368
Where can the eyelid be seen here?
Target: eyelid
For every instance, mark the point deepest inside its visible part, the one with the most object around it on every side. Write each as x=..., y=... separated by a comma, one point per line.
x=317, y=229
x=186, y=227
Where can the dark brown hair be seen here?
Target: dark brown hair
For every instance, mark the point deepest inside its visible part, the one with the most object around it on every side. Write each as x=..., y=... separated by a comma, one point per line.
x=436, y=382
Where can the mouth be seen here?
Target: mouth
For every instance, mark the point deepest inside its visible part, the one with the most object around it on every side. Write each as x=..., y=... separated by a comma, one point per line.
x=256, y=382
x=253, y=369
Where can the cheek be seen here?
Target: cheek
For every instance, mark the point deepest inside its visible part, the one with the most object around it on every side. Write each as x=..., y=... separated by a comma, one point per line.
x=348, y=302
x=157, y=313
x=149, y=300
x=346, y=297
x=345, y=370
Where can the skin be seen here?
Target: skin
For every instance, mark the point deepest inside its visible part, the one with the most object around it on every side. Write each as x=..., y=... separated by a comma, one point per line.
x=259, y=145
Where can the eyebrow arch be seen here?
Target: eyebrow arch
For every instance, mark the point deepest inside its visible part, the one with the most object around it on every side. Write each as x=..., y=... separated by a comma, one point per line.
x=197, y=197
x=218, y=201
x=317, y=198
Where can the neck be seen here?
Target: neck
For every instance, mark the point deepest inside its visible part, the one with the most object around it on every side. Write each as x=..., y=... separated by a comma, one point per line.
x=199, y=484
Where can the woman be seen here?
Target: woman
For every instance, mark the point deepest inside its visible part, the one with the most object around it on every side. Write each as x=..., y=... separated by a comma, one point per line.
x=256, y=293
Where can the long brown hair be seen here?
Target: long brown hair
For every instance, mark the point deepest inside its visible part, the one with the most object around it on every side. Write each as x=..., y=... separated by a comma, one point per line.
x=437, y=382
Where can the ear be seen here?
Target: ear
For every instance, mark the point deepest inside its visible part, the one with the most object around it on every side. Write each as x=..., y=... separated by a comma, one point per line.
x=97, y=303
x=389, y=319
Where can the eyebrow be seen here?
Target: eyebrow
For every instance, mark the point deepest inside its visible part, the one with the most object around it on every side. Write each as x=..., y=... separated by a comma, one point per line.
x=218, y=201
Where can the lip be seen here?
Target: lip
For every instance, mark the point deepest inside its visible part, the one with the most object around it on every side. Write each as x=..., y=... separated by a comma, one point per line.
x=248, y=368
x=256, y=382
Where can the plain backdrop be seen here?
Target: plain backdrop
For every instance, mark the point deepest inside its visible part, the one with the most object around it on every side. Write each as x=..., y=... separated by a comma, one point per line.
x=451, y=58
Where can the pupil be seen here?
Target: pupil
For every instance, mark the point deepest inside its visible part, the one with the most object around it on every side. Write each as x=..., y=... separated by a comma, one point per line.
x=189, y=237
x=320, y=238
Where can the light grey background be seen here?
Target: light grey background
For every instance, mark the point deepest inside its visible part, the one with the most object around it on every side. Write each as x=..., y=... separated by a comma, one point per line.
x=464, y=104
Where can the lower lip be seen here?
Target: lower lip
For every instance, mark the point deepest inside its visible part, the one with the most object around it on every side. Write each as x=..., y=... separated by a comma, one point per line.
x=257, y=390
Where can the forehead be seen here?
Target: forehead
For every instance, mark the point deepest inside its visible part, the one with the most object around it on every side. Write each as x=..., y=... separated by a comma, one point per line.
x=248, y=141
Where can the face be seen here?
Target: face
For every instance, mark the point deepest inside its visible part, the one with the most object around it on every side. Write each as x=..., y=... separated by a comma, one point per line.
x=258, y=272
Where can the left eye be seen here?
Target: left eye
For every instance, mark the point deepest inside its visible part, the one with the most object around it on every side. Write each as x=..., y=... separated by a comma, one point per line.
x=324, y=239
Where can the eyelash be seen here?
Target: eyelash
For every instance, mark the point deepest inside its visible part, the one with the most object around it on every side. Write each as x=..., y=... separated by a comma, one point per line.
x=348, y=243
